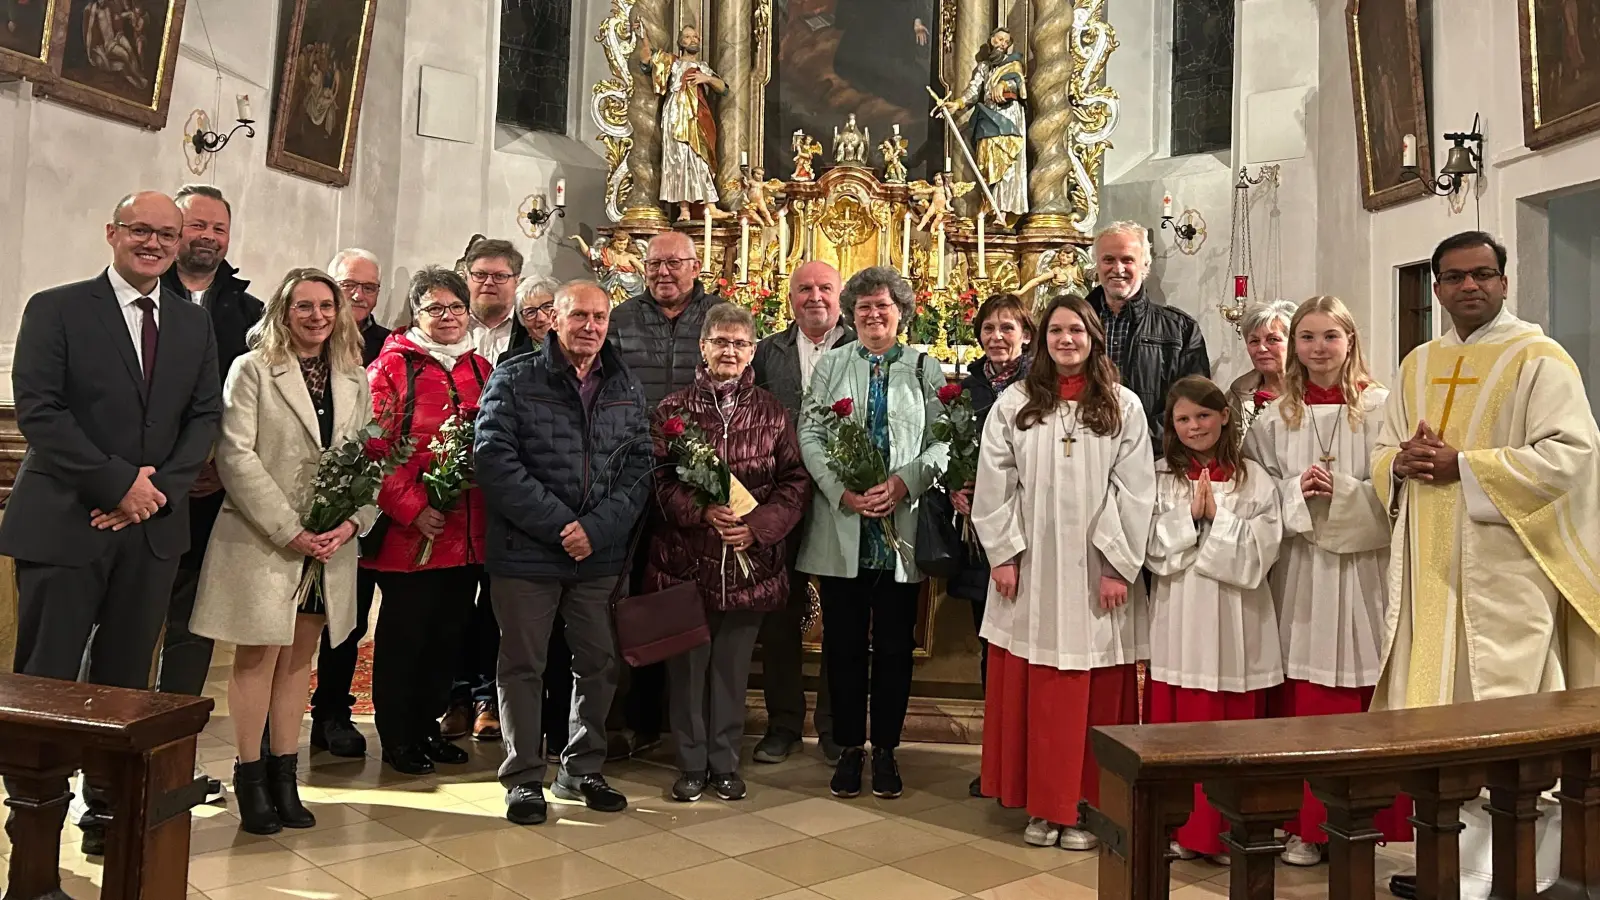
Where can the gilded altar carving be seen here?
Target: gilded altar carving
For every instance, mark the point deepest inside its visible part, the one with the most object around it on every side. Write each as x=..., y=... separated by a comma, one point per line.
x=608, y=105
x=1095, y=107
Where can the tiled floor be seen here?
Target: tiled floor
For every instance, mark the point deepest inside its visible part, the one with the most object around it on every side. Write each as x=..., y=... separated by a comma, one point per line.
x=441, y=838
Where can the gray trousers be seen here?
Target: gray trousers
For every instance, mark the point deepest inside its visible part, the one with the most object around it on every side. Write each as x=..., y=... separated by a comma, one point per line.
x=705, y=691
x=782, y=658
x=526, y=610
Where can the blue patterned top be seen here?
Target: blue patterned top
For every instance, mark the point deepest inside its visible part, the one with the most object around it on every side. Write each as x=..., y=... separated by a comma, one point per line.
x=876, y=554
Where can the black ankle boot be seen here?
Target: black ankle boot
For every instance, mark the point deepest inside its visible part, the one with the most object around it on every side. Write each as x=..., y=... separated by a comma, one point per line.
x=285, y=792
x=257, y=814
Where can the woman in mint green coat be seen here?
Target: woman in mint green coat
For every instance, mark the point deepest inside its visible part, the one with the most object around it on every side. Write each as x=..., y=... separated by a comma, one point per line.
x=867, y=586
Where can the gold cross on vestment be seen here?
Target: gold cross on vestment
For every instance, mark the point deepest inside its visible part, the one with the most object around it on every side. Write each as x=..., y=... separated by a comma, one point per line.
x=1450, y=397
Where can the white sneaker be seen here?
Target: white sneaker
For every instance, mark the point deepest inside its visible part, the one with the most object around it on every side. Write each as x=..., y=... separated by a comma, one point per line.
x=1181, y=852
x=1221, y=859
x=1299, y=853
x=1078, y=839
x=1041, y=832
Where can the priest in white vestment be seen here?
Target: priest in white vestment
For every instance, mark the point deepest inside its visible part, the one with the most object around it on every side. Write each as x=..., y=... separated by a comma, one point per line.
x=1490, y=458
x=1062, y=505
x=1315, y=441
x=1214, y=651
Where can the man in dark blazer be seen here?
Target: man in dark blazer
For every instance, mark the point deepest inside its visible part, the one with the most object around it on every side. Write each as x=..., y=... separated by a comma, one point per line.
x=117, y=394
x=783, y=365
x=203, y=276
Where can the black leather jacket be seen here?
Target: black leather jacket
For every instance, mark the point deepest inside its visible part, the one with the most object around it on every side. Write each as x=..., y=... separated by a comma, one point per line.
x=1165, y=345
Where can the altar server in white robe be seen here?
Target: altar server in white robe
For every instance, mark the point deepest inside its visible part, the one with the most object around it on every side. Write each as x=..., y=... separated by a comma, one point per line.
x=1490, y=454
x=1065, y=490
x=1316, y=442
x=1214, y=650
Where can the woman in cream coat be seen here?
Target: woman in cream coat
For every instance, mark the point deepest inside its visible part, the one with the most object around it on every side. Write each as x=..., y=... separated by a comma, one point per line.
x=299, y=390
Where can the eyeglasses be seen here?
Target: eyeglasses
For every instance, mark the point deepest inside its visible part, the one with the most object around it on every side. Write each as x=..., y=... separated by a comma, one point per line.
x=671, y=265
x=529, y=313
x=725, y=344
x=141, y=233
x=364, y=287
x=435, y=311
x=1454, y=277
x=485, y=277
x=306, y=308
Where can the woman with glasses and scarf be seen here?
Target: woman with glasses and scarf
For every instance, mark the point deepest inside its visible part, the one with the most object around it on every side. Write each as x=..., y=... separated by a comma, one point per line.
x=425, y=376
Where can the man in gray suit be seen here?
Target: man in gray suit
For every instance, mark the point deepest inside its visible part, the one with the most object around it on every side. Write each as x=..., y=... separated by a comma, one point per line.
x=783, y=365
x=118, y=396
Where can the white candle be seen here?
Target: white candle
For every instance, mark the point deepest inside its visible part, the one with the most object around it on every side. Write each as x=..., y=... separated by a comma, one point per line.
x=744, y=249
x=744, y=158
x=244, y=108
x=983, y=266
x=905, y=247
x=940, y=253
x=561, y=192
x=947, y=164
x=897, y=129
x=1166, y=206
x=1408, y=151
x=783, y=241
x=707, y=240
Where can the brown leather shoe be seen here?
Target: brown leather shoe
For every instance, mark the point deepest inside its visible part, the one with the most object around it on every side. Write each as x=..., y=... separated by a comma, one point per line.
x=487, y=726
x=457, y=722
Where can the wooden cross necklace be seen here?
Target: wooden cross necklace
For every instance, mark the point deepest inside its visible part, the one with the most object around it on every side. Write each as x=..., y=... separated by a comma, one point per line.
x=1327, y=456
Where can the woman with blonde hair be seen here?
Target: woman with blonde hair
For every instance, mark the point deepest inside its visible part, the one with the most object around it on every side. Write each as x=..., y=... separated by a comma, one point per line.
x=299, y=391
x=1329, y=583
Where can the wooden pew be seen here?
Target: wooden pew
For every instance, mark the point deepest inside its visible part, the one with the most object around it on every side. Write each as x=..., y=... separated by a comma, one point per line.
x=1442, y=756
x=140, y=745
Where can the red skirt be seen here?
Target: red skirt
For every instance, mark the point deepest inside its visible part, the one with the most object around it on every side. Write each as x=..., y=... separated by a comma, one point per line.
x=1167, y=703
x=1036, y=723
x=1305, y=698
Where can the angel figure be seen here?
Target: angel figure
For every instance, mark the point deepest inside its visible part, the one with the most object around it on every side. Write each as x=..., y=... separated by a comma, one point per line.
x=1058, y=270
x=893, y=151
x=805, y=148
x=850, y=145
x=615, y=264
x=940, y=197
x=756, y=190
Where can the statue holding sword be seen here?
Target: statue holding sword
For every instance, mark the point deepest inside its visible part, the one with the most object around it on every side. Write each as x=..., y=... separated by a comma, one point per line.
x=995, y=94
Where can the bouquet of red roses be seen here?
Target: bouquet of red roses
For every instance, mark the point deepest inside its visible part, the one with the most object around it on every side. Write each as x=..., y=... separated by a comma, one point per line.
x=700, y=467
x=348, y=477
x=856, y=460
x=449, y=473
x=957, y=425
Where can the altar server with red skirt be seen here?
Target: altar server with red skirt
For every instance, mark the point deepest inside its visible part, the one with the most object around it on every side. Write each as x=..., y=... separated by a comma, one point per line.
x=1065, y=491
x=1213, y=629
x=1330, y=581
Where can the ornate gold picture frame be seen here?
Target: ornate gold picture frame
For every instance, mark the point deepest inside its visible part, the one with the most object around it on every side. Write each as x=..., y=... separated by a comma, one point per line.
x=32, y=37
x=322, y=66
x=1560, y=70
x=1390, y=99
x=117, y=58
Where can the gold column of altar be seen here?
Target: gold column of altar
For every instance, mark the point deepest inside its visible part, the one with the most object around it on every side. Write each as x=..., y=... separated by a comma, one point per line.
x=644, y=208
x=735, y=52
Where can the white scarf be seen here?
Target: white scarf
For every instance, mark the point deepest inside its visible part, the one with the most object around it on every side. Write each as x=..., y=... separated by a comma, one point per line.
x=446, y=354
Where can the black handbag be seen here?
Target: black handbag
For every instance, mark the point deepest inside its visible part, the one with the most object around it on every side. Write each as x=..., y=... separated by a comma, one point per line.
x=941, y=553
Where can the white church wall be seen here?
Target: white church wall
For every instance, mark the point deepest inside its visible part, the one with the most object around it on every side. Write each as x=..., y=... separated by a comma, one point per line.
x=1477, y=70
x=412, y=200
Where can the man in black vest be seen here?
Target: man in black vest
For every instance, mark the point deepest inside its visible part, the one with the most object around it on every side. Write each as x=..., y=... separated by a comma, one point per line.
x=783, y=365
x=118, y=396
x=357, y=273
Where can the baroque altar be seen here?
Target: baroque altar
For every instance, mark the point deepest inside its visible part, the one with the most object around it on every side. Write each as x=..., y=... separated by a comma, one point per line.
x=959, y=141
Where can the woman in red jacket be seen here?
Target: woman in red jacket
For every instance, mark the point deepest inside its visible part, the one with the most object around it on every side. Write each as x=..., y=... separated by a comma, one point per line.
x=426, y=376
x=753, y=434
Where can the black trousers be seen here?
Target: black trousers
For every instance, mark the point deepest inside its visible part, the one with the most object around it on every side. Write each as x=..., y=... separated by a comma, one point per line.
x=422, y=612
x=479, y=653
x=185, y=656
x=557, y=687
x=870, y=622
x=336, y=666
x=782, y=662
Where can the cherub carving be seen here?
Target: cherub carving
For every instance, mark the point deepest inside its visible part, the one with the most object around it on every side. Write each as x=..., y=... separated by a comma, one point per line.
x=755, y=189
x=805, y=149
x=893, y=151
x=940, y=197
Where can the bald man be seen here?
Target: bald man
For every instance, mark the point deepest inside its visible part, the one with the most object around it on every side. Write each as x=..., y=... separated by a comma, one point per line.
x=658, y=336
x=783, y=366
x=118, y=396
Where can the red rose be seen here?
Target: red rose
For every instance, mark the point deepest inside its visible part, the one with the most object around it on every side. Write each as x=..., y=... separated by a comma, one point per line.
x=467, y=413
x=673, y=428
x=949, y=394
x=844, y=407
x=378, y=449
x=1262, y=398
